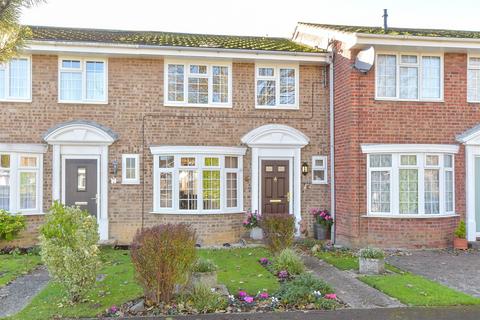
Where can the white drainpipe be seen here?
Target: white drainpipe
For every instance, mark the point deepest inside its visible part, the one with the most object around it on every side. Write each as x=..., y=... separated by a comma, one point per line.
x=332, y=148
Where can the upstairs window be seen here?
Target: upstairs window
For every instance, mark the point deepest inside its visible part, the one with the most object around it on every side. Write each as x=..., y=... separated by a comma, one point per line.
x=198, y=84
x=83, y=80
x=276, y=86
x=15, y=80
x=409, y=77
x=473, y=79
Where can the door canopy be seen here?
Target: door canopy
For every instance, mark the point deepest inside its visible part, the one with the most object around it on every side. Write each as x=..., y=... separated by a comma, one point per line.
x=275, y=136
x=80, y=132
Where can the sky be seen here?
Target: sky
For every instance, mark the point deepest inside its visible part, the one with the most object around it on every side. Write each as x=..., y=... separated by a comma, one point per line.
x=251, y=17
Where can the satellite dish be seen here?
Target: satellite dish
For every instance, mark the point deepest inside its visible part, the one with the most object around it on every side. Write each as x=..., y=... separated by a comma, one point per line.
x=365, y=59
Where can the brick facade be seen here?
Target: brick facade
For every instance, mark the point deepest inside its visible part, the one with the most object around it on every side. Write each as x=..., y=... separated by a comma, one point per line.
x=135, y=98
x=359, y=119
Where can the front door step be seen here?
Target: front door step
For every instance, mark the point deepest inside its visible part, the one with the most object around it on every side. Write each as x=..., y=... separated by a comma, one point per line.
x=475, y=244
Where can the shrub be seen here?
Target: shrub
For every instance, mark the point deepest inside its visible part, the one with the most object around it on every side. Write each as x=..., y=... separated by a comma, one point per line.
x=204, y=300
x=10, y=225
x=204, y=265
x=69, y=248
x=252, y=220
x=288, y=260
x=163, y=256
x=371, y=253
x=302, y=289
x=279, y=230
x=461, y=230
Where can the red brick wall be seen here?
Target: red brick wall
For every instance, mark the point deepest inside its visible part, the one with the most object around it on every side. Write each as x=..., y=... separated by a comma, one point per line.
x=135, y=90
x=362, y=119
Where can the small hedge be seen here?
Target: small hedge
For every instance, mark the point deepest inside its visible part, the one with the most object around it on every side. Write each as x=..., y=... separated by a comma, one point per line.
x=279, y=231
x=69, y=249
x=163, y=256
x=204, y=265
x=10, y=225
x=288, y=261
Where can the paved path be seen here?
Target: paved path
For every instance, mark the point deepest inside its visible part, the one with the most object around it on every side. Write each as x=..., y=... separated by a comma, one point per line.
x=16, y=295
x=458, y=270
x=451, y=313
x=348, y=288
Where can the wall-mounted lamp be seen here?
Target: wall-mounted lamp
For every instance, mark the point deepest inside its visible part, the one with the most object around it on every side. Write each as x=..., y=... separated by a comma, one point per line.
x=304, y=168
x=115, y=167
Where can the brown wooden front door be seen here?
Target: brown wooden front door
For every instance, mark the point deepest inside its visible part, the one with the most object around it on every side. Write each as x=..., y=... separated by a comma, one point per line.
x=275, y=186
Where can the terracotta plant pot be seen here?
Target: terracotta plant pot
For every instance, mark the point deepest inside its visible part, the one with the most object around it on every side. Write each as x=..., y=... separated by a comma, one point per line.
x=461, y=244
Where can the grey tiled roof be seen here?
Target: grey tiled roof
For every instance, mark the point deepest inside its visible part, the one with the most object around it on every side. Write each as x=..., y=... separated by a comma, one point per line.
x=436, y=33
x=167, y=39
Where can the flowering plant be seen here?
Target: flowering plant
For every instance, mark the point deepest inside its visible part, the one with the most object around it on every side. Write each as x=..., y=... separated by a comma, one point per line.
x=322, y=216
x=251, y=221
x=264, y=261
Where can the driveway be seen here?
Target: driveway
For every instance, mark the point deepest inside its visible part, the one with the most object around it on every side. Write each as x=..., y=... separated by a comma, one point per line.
x=457, y=270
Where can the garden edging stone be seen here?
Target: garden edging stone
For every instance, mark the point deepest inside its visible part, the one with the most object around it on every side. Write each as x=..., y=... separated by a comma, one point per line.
x=348, y=288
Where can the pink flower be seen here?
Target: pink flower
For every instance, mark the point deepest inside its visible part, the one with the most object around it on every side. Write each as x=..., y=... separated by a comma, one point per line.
x=331, y=296
x=248, y=299
x=242, y=294
x=263, y=295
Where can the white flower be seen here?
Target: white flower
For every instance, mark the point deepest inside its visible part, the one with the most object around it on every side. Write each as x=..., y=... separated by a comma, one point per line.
x=317, y=294
x=231, y=297
x=213, y=290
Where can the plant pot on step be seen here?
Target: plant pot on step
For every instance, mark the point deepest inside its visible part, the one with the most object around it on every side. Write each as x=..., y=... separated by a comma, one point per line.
x=460, y=244
x=371, y=266
x=321, y=231
x=256, y=233
x=208, y=279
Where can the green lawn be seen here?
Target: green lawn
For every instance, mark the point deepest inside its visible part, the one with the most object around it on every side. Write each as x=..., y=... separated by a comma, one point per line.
x=239, y=269
x=415, y=290
x=12, y=266
x=118, y=287
x=343, y=260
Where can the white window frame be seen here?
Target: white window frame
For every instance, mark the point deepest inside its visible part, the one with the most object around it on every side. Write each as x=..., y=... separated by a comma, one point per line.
x=421, y=151
x=318, y=168
x=15, y=171
x=276, y=78
x=83, y=70
x=6, y=66
x=186, y=65
x=125, y=180
x=199, y=153
x=420, y=75
x=470, y=67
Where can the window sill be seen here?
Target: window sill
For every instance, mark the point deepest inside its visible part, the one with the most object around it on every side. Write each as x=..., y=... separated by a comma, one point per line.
x=411, y=100
x=186, y=105
x=320, y=182
x=81, y=102
x=410, y=216
x=196, y=213
x=17, y=100
x=28, y=213
x=131, y=182
x=277, y=107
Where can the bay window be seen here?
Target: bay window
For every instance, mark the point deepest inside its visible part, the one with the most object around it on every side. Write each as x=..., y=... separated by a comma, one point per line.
x=413, y=182
x=82, y=80
x=276, y=86
x=407, y=76
x=20, y=182
x=198, y=179
x=15, y=80
x=198, y=84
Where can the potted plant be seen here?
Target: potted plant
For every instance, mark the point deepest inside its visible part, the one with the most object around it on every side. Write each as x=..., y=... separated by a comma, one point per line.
x=460, y=240
x=323, y=223
x=204, y=272
x=371, y=261
x=252, y=223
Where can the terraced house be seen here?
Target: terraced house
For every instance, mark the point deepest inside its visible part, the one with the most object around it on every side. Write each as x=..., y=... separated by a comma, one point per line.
x=379, y=125
x=407, y=134
x=143, y=128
